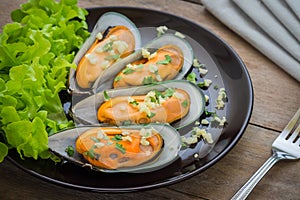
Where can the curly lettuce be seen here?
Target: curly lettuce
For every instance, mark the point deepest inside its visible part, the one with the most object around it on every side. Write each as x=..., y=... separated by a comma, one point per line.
x=36, y=54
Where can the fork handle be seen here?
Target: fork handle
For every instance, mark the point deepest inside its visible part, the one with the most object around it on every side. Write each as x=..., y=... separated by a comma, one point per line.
x=251, y=183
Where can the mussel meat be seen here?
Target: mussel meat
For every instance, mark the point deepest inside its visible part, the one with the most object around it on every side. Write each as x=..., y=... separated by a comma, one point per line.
x=162, y=107
x=118, y=42
x=164, y=65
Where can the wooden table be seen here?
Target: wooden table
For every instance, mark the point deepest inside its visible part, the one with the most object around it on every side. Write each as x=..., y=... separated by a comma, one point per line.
x=276, y=99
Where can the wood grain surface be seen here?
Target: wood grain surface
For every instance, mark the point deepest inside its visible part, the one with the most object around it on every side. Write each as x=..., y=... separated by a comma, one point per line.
x=276, y=99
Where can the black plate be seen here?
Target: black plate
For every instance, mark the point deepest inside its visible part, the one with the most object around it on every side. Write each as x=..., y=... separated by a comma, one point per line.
x=231, y=73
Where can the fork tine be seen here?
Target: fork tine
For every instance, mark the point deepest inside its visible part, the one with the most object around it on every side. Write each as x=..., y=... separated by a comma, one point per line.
x=298, y=143
x=289, y=127
x=295, y=135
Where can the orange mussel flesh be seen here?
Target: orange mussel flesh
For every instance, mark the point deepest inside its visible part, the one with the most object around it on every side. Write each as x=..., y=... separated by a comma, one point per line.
x=117, y=43
x=162, y=107
x=163, y=64
x=114, y=148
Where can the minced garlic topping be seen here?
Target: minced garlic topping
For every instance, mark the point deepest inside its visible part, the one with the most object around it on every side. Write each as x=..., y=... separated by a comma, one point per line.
x=125, y=133
x=121, y=46
x=206, y=98
x=91, y=58
x=99, y=144
x=158, y=78
x=161, y=30
x=202, y=71
x=153, y=68
x=196, y=63
x=146, y=133
x=180, y=35
x=220, y=103
x=202, y=132
x=147, y=54
x=113, y=38
x=99, y=36
x=220, y=121
x=144, y=141
x=100, y=134
x=127, y=138
x=207, y=82
x=212, y=116
x=104, y=64
x=113, y=46
x=196, y=134
x=153, y=100
x=204, y=122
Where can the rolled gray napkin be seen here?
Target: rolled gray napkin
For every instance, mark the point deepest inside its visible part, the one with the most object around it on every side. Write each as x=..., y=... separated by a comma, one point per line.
x=230, y=13
x=295, y=6
x=282, y=12
x=260, y=14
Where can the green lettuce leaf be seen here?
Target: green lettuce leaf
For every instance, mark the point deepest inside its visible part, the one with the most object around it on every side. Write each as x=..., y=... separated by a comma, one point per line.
x=3, y=151
x=36, y=54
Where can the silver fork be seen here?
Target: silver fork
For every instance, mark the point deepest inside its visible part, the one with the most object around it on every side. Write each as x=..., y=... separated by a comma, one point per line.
x=286, y=146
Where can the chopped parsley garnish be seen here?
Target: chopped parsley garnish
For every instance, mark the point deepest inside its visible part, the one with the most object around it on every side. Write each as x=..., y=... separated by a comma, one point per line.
x=134, y=102
x=167, y=60
x=185, y=103
x=153, y=99
x=201, y=84
x=151, y=115
x=120, y=148
x=90, y=153
x=139, y=66
x=117, y=138
x=148, y=80
x=209, y=113
x=169, y=92
x=70, y=150
x=128, y=70
x=192, y=77
x=158, y=94
x=107, y=47
x=112, y=57
x=96, y=140
x=118, y=78
x=106, y=97
x=205, y=83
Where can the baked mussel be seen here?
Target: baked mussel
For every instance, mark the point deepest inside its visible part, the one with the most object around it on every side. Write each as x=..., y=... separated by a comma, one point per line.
x=167, y=57
x=135, y=149
x=114, y=37
x=177, y=102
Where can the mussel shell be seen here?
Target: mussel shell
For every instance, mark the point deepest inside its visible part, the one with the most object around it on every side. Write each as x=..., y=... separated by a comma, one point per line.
x=169, y=153
x=107, y=20
x=105, y=82
x=85, y=111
